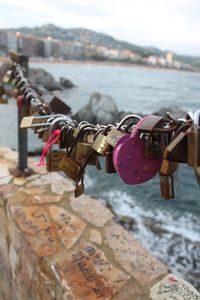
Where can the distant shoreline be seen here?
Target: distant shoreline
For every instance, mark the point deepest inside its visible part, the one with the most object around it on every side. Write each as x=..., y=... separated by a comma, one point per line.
x=99, y=63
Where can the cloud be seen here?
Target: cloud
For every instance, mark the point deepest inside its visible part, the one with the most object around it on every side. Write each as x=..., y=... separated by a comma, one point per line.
x=169, y=24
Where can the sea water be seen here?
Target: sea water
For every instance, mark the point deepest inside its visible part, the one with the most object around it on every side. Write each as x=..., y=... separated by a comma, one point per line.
x=169, y=229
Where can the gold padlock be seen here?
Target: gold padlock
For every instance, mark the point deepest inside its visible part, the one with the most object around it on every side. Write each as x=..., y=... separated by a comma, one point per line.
x=71, y=168
x=113, y=136
x=53, y=160
x=84, y=152
x=100, y=145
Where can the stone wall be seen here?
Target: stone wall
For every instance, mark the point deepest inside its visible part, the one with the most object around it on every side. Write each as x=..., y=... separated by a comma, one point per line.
x=55, y=246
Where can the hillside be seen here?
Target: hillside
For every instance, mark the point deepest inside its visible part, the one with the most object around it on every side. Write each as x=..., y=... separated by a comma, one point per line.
x=86, y=36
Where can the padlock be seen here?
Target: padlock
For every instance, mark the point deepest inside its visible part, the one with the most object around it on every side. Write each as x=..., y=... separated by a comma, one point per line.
x=197, y=137
x=167, y=177
x=152, y=148
x=79, y=189
x=80, y=125
x=72, y=168
x=177, y=150
x=84, y=151
x=197, y=145
x=56, y=105
x=54, y=157
x=116, y=133
x=168, y=167
x=167, y=190
x=7, y=77
x=100, y=145
x=191, y=147
x=109, y=166
x=130, y=161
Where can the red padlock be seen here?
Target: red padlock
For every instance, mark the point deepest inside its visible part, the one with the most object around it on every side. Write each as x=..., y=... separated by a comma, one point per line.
x=20, y=100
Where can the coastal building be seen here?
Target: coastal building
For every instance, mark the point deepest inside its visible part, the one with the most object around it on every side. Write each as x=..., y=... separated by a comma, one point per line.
x=169, y=58
x=12, y=41
x=152, y=60
x=3, y=42
x=161, y=61
x=47, y=47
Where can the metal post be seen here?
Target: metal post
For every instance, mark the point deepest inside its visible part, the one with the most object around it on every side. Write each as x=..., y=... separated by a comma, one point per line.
x=22, y=133
x=22, y=168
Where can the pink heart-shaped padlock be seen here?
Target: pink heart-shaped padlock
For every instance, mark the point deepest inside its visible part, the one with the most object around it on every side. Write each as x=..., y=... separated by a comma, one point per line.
x=129, y=158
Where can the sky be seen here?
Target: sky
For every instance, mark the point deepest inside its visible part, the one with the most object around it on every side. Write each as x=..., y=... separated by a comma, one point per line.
x=167, y=24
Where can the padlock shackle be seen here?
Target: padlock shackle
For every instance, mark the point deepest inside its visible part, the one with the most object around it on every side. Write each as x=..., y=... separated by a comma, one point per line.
x=82, y=129
x=135, y=131
x=119, y=125
x=197, y=119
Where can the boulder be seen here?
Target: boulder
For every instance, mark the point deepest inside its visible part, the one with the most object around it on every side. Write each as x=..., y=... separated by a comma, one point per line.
x=41, y=78
x=66, y=83
x=176, y=111
x=100, y=109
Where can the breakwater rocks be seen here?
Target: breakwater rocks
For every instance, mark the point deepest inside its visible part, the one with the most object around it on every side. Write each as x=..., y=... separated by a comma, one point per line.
x=55, y=246
x=103, y=109
x=41, y=80
x=44, y=82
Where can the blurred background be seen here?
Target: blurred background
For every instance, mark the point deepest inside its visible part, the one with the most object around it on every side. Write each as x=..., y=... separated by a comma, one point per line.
x=143, y=57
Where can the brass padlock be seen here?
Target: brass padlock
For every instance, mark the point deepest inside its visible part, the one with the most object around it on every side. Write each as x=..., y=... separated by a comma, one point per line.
x=79, y=189
x=45, y=136
x=115, y=133
x=84, y=152
x=167, y=190
x=53, y=160
x=177, y=150
x=71, y=168
x=167, y=173
x=66, y=136
x=109, y=166
x=168, y=167
x=54, y=157
x=113, y=136
x=100, y=145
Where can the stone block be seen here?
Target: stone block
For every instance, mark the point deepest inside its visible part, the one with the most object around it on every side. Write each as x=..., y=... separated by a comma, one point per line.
x=68, y=226
x=46, y=198
x=95, y=237
x=48, y=228
x=87, y=274
x=45, y=179
x=132, y=256
x=91, y=210
x=6, y=180
x=172, y=287
x=36, y=224
x=61, y=186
